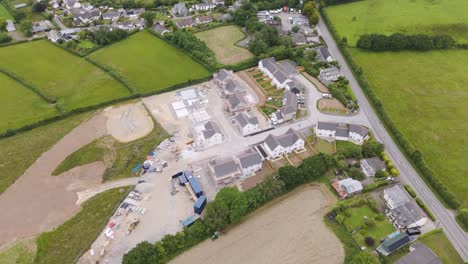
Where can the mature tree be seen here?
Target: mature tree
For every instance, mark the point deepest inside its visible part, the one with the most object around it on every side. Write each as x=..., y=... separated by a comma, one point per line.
x=381, y=174
x=443, y=42
x=235, y=201
x=217, y=215
x=4, y=37
x=295, y=28
x=364, y=42
x=356, y=174
x=364, y=257
x=148, y=16
x=258, y=46
x=291, y=176
x=144, y=252
x=309, y=8
x=398, y=41
x=39, y=7
x=372, y=149
x=228, y=2
x=462, y=217
x=26, y=27
x=314, y=19
x=3, y=24
x=369, y=241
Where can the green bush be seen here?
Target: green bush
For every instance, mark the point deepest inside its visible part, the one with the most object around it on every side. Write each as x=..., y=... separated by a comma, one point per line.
x=425, y=208
x=410, y=190
x=375, y=185
x=462, y=218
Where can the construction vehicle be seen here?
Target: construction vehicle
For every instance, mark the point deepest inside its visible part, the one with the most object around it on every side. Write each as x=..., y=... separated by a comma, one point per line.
x=133, y=225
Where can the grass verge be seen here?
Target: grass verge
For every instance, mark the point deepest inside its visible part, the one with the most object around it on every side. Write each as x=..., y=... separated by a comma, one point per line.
x=70, y=240
x=20, y=253
x=438, y=242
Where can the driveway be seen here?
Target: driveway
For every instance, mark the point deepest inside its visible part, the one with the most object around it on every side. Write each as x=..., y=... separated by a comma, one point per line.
x=445, y=218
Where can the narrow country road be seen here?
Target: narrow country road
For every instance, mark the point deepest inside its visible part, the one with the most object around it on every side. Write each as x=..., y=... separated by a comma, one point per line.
x=445, y=218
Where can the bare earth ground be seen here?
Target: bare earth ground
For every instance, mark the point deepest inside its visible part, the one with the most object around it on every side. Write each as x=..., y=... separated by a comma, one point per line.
x=37, y=201
x=331, y=105
x=290, y=230
x=128, y=122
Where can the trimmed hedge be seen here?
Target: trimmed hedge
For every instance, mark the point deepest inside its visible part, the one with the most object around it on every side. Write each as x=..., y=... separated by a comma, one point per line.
x=410, y=190
x=425, y=208
x=415, y=156
x=375, y=185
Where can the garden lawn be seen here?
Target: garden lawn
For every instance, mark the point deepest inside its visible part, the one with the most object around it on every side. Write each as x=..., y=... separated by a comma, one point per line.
x=403, y=16
x=222, y=41
x=20, y=106
x=441, y=246
x=324, y=146
x=4, y=13
x=72, y=80
x=70, y=240
x=425, y=95
x=20, y=151
x=149, y=63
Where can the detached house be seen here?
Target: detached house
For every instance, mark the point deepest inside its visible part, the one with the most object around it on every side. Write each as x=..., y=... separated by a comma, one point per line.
x=180, y=10
x=222, y=76
x=210, y=135
x=204, y=19
x=323, y=54
x=160, y=29
x=277, y=146
x=371, y=166
x=349, y=132
x=185, y=23
x=278, y=76
x=329, y=75
x=393, y=242
x=347, y=187
x=402, y=210
x=236, y=103
x=232, y=87
x=225, y=171
x=250, y=162
x=111, y=15
x=246, y=124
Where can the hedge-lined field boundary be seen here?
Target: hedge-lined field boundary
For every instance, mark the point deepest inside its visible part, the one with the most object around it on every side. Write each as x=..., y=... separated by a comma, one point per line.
x=414, y=155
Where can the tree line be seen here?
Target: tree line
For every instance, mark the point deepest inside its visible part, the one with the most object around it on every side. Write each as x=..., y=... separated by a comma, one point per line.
x=229, y=207
x=398, y=41
x=336, y=2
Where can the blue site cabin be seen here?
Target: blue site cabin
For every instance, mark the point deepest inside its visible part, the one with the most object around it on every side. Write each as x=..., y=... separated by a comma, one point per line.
x=194, y=183
x=199, y=205
x=190, y=220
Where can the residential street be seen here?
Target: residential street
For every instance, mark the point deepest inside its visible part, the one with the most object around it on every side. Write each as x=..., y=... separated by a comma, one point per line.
x=445, y=218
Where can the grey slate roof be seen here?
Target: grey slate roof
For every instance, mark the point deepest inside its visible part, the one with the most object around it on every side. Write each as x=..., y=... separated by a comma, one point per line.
x=420, y=255
x=249, y=159
x=160, y=28
x=180, y=9
x=327, y=126
x=341, y=131
x=290, y=103
x=222, y=74
x=110, y=15
x=397, y=195
x=243, y=119
x=225, y=168
x=406, y=214
x=230, y=86
x=298, y=38
x=205, y=19
x=236, y=102
x=288, y=139
x=330, y=71
x=210, y=129
x=376, y=163
x=270, y=65
x=322, y=53
x=363, y=131
x=271, y=142
x=184, y=22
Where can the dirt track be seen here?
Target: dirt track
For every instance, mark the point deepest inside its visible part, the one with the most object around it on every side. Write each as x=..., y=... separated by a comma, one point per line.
x=290, y=231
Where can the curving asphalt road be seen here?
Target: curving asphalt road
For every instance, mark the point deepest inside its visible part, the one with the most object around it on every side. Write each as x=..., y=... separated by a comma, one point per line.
x=445, y=218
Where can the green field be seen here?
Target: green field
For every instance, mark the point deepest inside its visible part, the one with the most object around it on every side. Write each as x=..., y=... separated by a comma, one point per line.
x=404, y=16
x=20, y=253
x=70, y=240
x=20, y=151
x=149, y=63
x=72, y=80
x=4, y=13
x=20, y=105
x=222, y=42
x=425, y=95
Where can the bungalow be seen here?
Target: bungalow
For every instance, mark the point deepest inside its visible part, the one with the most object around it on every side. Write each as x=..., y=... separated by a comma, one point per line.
x=160, y=29
x=134, y=13
x=10, y=26
x=210, y=135
x=348, y=132
x=225, y=171
x=393, y=242
x=276, y=146
x=185, y=23
x=278, y=77
x=299, y=39
x=222, y=77
x=250, y=162
x=204, y=19
x=371, y=166
x=246, y=124
x=86, y=16
x=41, y=26
x=323, y=54
x=53, y=35
x=347, y=187
x=180, y=10
x=236, y=103
x=329, y=75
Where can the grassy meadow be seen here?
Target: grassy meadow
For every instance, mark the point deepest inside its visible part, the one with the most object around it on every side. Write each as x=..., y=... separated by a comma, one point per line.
x=425, y=95
x=20, y=151
x=4, y=13
x=222, y=42
x=20, y=105
x=70, y=240
x=148, y=63
x=72, y=80
x=403, y=16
